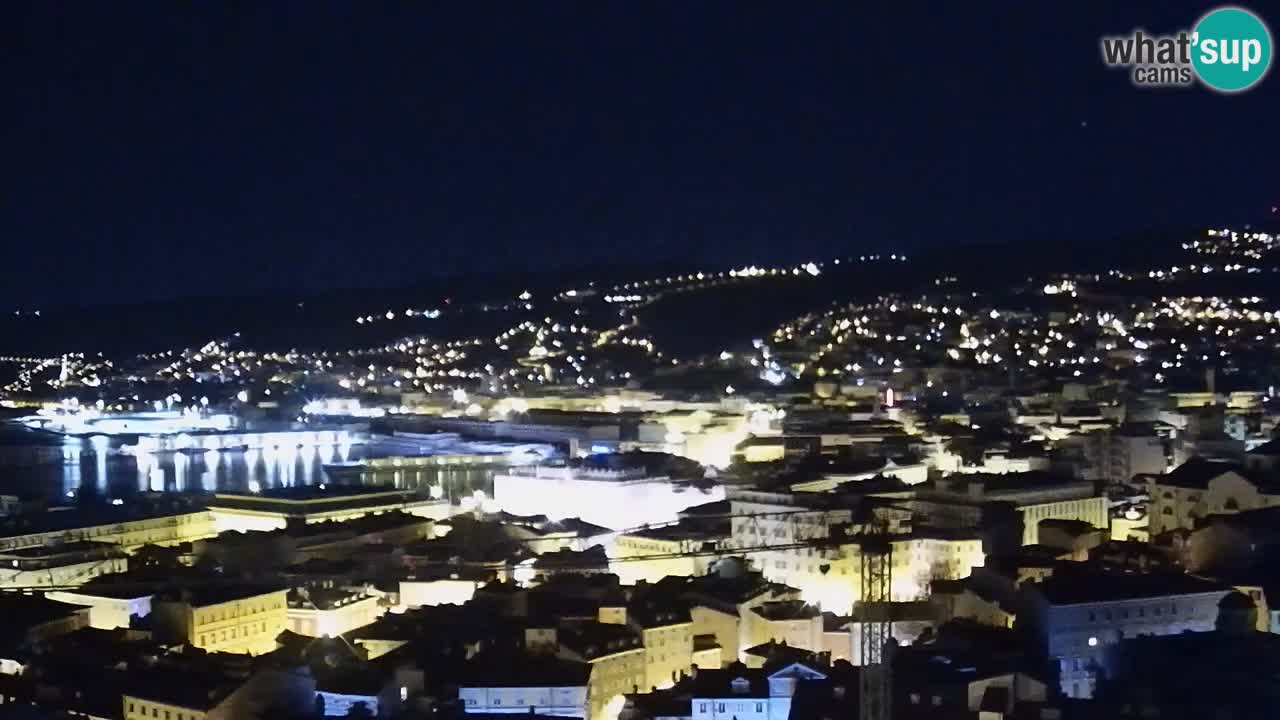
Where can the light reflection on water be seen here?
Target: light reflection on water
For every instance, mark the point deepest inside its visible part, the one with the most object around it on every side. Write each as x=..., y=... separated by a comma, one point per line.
x=114, y=474
x=89, y=468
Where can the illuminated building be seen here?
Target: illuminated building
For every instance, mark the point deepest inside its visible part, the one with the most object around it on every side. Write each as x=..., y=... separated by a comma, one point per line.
x=86, y=421
x=426, y=471
x=524, y=685
x=654, y=553
x=723, y=621
x=794, y=622
x=788, y=528
x=762, y=450
x=61, y=565
x=185, y=693
x=907, y=622
x=543, y=535
x=707, y=653
x=1131, y=450
x=265, y=440
x=273, y=509
x=809, y=541
x=908, y=473
x=705, y=432
x=229, y=619
x=129, y=527
x=827, y=574
x=930, y=554
x=616, y=656
x=1199, y=488
x=616, y=499
x=1037, y=496
x=970, y=601
x=749, y=694
x=191, y=706
x=668, y=645
x=1077, y=616
x=445, y=588
x=109, y=607
x=328, y=612
x=302, y=542
x=997, y=461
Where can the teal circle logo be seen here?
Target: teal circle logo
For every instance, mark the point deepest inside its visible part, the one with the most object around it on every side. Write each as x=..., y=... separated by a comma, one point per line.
x=1231, y=49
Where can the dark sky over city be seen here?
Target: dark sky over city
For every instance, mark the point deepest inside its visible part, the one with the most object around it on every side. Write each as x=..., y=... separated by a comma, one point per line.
x=173, y=148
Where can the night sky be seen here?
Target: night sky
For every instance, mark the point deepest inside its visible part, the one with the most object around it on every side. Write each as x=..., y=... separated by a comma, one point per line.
x=154, y=149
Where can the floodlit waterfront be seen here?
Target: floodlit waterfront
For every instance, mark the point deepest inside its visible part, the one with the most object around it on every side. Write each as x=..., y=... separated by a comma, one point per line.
x=100, y=466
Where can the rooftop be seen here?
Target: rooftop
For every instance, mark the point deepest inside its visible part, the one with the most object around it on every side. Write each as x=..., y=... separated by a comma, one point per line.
x=505, y=669
x=183, y=688
x=1073, y=527
x=594, y=640
x=1197, y=472
x=718, y=507
x=731, y=682
x=1077, y=588
x=74, y=518
x=686, y=529
x=322, y=598
x=994, y=484
x=1265, y=519
x=68, y=548
x=787, y=610
x=26, y=611
x=649, y=617
x=301, y=499
x=204, y=596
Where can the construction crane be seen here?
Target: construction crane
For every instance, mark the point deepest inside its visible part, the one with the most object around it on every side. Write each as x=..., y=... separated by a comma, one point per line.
x=876, y=579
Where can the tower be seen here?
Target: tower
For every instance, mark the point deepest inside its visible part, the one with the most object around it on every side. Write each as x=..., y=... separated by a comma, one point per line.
x=876, y=680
